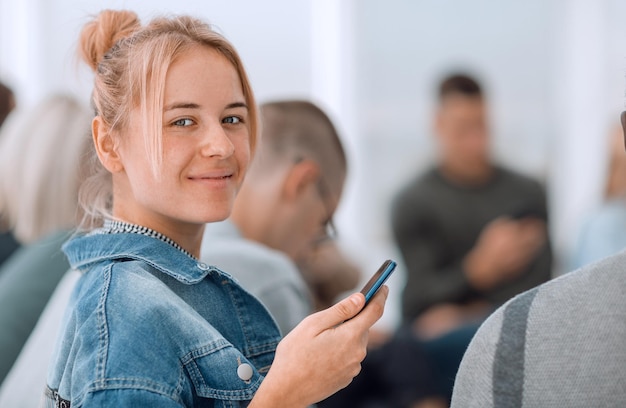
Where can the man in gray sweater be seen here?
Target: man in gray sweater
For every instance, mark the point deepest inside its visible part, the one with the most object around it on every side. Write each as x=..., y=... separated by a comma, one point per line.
x=562, y=344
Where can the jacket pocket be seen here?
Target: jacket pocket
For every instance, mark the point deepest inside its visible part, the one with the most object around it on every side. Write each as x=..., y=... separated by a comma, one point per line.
x=220, y=372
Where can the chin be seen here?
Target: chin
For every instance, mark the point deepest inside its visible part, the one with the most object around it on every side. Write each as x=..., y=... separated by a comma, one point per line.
x=218, y=214
x=204, y=215
x=218, y=218
x=211, y=209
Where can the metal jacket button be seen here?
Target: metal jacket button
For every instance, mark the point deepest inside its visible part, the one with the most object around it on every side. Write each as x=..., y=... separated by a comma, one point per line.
x=244, y=371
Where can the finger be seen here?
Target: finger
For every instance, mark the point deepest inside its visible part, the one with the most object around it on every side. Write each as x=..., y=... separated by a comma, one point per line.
x=339, y=313
x=532, y=238
x=373, y=311
x=534, y=221
x=534, y=227
x=499, y=222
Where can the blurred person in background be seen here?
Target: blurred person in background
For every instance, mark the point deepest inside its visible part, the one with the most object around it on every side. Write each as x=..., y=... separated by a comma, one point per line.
x=8, y=243
x=329, y=272
x=277, y=221
x=603, y=232
x=472, y=234
x=7, y=102
x=43, y=152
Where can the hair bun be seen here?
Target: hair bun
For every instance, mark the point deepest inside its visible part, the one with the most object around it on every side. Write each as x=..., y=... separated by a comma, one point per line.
x=99, y=35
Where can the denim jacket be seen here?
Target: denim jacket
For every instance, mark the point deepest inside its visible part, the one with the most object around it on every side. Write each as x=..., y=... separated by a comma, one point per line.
x=148, y=325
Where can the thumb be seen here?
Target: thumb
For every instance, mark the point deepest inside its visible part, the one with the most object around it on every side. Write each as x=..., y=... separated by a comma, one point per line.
x=342, y=311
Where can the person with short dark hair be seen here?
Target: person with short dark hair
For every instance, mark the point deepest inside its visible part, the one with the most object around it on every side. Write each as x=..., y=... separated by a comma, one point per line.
x=459, y=84
x=472, y=233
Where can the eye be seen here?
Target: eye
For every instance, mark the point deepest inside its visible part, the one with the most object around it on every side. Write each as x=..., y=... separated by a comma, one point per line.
x=233, y=120
x=183, y=122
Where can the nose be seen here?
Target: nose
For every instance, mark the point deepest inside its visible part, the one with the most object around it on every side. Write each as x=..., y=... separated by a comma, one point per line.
x=216, y=143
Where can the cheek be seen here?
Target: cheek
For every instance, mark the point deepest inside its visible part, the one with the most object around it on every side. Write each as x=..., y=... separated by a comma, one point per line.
x=137, y=164
x=243, y=158
x=177, y=153
x=304, y=227
x=242, y=154
x=314, y=226
x=476, y=142
x=455, y=144
x=142, y=176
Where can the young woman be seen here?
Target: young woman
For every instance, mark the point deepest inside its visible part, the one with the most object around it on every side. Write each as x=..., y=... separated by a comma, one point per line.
x=149, y=325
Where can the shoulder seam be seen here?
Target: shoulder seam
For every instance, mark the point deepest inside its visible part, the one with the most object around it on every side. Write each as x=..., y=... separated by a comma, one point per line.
x=103, y=329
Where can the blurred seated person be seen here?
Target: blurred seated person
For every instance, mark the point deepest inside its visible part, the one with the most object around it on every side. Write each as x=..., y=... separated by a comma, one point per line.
x=472, y=234
x=43, y=150
x=328, y=272
x=283, y=211
x=8, y=243
x=603, y=232
x=7, y=102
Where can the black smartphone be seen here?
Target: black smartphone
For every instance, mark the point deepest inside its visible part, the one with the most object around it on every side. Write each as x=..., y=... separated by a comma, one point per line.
x=378, y=279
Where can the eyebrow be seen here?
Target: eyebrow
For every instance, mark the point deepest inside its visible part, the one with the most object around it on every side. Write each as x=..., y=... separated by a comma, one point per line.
x=191, y=105
x=236, y=105
x=182, y=105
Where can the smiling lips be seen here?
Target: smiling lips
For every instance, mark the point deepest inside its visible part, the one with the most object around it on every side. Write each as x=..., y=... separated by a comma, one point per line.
x=213, y=176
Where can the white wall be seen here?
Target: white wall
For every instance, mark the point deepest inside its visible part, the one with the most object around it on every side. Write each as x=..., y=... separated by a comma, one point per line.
x=38, y=40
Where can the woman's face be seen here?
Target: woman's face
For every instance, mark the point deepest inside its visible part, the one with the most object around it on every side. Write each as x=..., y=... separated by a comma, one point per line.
x=206, y=148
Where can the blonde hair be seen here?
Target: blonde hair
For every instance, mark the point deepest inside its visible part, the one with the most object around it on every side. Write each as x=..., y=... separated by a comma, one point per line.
x=41, y=157
x=131, y=62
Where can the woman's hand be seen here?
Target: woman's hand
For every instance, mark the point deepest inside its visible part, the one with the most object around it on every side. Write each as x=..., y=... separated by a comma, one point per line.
x=321, y=355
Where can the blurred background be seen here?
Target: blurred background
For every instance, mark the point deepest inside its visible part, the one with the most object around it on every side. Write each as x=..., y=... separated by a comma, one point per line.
x=553, y=70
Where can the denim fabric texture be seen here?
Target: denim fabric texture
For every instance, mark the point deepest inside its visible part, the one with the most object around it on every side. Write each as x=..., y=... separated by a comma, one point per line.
x=150, y=326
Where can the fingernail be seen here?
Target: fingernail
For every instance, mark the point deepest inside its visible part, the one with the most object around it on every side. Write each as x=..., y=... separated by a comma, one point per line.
x=354, y=299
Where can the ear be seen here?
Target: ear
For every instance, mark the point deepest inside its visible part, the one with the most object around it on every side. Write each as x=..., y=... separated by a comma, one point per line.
x=105, y=146
x=623, y=119
x=299, y=178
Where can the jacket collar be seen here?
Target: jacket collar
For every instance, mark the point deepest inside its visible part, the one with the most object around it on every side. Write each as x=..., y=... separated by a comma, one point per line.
x=83, y=251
